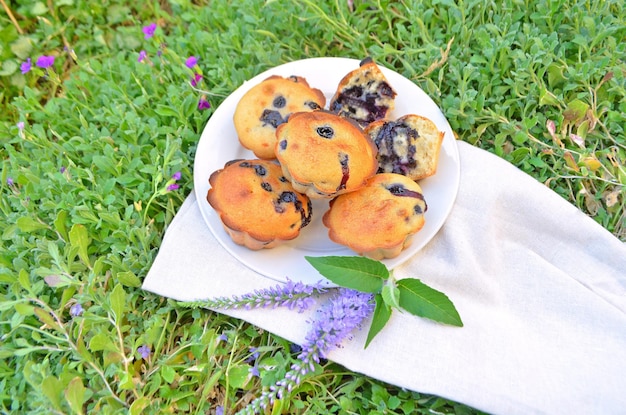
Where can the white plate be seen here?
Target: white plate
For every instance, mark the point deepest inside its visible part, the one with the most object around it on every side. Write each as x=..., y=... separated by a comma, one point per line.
x=219, y=144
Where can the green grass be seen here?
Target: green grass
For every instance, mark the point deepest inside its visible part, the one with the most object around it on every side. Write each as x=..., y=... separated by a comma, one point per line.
x=84, y=202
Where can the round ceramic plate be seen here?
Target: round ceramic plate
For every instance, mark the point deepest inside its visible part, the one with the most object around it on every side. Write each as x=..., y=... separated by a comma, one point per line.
x=219, y=144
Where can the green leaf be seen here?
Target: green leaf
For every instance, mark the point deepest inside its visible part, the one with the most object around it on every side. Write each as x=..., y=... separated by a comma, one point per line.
x=28, y=224
x=75, y=395
x=47, y=319
x=118, y=300
x=102, y=341
x=421, y=300
x=391, y=295
x=358, y=273
x=139, y=405
x=52, y=388
x=22, y=47
x=79, y=238
x=382, y=313
x=575, y=110
x=168, y=374
x=129, y=279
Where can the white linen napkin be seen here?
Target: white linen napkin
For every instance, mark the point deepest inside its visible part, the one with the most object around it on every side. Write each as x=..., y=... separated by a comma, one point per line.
x=540, y=287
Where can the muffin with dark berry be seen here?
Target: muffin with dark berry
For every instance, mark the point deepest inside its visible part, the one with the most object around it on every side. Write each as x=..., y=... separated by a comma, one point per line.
x=324, y=155
x=409, y=146
x=364, y=95
x=267, y=105
x=256, y=204
x=380, y=219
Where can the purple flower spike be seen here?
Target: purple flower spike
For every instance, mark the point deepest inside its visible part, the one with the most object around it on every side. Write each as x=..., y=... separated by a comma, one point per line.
x=142, y=56
x=25, y=66
x=177, y=175
x=144, y=351
x=10, y=181
x=148, y=31
x=191, y=61
x=172, y=187
x=203, y=104
x=45, y=61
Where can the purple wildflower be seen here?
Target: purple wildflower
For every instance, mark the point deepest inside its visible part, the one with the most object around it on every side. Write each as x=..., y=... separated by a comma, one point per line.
x=148, y=31
x=45, y=61
x=76, y=310
x=62, y=169
x=335, y=321
x=254, y=370
x=191, y=61
x=144, y=351
x=219, y=410
x=26, y=65
x=20, y=126
x=172, y=187
x=142, y=56
x=203, y=104
x=196, y=78
x=10, y=181
x=222, y=338
x=177, y=175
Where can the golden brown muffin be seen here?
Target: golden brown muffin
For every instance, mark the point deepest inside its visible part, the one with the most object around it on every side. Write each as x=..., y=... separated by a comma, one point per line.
x=409, y=146
x=256, y=204
x=269, y=104
x=324, y=155
x=379, y=219
x=364, y=95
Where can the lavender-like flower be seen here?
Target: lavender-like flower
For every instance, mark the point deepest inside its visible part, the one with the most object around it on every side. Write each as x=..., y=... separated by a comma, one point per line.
x=196, y=78
x=148, y=31
x=45, y=61
x=142, y=56
x=76, y=310
x=335, y=321
x=293, y=295
x=26, y=66
x=203, y=104
x=191, y=61
x=144, y=351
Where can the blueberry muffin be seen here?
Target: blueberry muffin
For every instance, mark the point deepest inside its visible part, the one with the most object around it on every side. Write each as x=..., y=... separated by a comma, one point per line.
x=324, y=155
x=409, y=146
x=378, y=220
x=269, y=104
x=364, y=95
x=256, y=204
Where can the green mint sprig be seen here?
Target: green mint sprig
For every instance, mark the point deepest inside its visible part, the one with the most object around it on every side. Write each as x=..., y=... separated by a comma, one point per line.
x=407, y=294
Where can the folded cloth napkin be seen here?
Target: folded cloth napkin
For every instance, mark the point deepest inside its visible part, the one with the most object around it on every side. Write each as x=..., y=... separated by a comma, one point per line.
x=540, y=287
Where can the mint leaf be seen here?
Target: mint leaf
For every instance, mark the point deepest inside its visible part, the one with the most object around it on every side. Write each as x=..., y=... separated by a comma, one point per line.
x=358, y=273
x=382, y=313
x=391, y=294
x=421, y=300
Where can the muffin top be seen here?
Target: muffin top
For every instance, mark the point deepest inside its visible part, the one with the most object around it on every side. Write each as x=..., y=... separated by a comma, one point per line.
x=381, y=215
x=267, y=105
x=364, y=95
x=328, y=154
x=409, y=145
x=254, y=197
